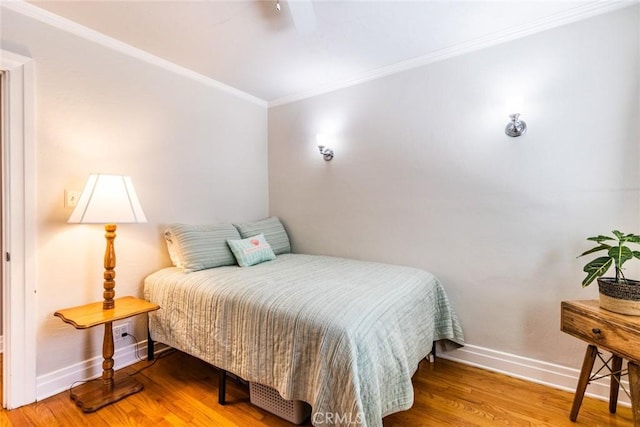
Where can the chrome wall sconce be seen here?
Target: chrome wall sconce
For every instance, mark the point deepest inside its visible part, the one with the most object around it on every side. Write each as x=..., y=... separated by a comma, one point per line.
x=515, y=127
x=327, y=153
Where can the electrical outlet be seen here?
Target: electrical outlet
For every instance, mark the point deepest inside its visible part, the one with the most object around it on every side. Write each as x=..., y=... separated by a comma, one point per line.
x=119, y=330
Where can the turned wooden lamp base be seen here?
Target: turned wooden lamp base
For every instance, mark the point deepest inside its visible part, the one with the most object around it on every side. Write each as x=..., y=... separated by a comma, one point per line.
x=94, y=395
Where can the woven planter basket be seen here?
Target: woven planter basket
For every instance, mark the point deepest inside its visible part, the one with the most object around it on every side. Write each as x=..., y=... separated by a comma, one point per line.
x=622, y=297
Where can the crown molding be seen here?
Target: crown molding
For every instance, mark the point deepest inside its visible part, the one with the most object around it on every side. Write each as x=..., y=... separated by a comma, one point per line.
x=572, y=15
x=34, y=12
x=567, y=17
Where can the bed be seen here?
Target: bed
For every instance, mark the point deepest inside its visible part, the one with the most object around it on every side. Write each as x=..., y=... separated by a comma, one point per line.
x=346, y=336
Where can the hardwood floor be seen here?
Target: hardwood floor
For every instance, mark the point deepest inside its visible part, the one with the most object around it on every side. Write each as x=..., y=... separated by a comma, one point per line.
x=181, y=390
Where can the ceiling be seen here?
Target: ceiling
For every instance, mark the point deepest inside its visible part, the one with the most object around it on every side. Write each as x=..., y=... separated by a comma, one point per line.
x=248, y=45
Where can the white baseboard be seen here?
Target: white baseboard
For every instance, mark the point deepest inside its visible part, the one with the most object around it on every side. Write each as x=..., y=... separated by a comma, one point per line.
x=62, y=379
x=549, y=374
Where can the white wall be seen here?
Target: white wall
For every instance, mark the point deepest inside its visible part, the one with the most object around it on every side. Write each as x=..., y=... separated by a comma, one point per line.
x=195, y=153
x=424, y=175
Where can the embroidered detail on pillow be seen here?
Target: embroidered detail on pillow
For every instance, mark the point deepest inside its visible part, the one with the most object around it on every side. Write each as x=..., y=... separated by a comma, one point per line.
x=251, y=251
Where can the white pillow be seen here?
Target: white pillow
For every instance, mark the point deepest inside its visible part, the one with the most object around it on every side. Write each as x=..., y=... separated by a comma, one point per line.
x=172, y=248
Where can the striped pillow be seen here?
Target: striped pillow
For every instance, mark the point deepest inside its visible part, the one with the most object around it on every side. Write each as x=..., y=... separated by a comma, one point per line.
x=251, y=251
x=198, y=247
x=174, y=254
x=273, y=231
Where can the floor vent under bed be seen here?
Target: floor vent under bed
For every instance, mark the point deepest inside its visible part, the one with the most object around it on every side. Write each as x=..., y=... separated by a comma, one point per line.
x=294, y=411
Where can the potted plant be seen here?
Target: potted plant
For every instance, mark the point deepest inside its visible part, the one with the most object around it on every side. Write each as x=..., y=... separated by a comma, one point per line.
x=617, y=294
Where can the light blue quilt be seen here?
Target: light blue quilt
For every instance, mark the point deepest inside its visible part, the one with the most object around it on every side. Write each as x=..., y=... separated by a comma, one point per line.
x=345, y=336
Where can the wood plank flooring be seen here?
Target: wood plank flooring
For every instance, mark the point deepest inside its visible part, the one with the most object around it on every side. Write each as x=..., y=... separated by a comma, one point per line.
x=181, y=390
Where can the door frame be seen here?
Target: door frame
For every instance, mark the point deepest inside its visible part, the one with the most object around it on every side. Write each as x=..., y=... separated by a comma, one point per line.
x=18, y=231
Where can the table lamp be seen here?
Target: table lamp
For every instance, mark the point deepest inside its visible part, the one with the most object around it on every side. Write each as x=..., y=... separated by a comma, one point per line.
x=108, y=199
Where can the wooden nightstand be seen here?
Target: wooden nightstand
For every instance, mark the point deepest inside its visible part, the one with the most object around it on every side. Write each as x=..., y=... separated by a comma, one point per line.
x=617, y=333
x=93, y=395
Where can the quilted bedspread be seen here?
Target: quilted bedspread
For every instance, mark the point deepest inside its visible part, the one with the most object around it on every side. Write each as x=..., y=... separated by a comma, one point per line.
x=345, y=336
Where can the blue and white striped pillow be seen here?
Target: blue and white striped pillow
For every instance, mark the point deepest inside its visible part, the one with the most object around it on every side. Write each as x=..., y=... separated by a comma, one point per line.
x=273, y=231
x=198, y=247
x=251, y=251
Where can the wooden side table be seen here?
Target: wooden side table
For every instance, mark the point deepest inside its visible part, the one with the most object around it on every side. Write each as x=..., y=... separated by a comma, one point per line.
x=94, y=395
x=616, y=333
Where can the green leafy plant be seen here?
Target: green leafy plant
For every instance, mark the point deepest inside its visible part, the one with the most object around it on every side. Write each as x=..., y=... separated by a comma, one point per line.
x=617, y=254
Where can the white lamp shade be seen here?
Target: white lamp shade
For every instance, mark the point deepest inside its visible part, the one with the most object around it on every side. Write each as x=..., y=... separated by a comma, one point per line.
x=108, y=199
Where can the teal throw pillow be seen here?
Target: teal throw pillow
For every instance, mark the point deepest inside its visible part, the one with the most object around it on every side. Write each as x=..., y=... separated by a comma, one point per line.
x=251, y=251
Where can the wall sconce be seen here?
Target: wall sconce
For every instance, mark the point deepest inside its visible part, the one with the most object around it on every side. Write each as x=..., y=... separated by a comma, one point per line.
x=327, y=153
x=515, y=127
